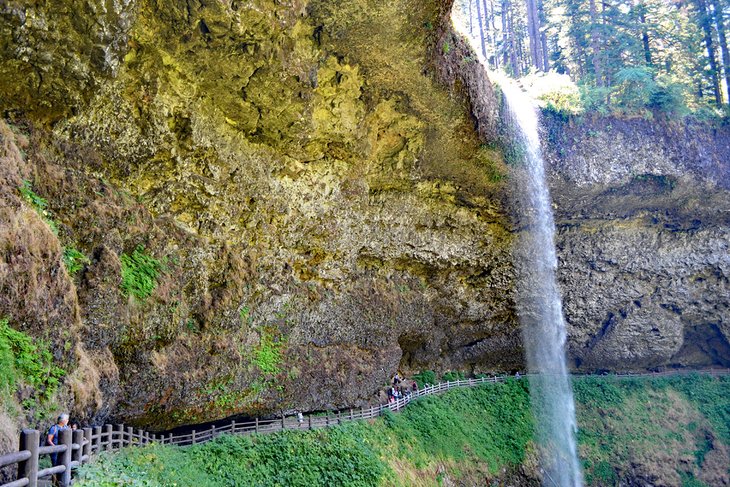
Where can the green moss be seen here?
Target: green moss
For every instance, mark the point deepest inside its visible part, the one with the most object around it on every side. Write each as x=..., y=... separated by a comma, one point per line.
x=626, y=422
x=139, y=273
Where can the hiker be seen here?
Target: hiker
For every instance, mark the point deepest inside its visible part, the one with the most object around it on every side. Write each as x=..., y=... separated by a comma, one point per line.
x=414, y=387
x=396, y=379
x=300, y=417
x=517, y=375
x=53, y=437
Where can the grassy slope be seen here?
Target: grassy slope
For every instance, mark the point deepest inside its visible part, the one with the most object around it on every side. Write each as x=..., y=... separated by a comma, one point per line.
x=667, y=431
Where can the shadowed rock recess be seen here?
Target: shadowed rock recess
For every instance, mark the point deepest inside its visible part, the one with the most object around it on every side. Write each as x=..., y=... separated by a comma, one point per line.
x=326, y=206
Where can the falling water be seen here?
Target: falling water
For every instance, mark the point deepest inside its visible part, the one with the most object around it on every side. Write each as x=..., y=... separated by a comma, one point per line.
x=538, y=298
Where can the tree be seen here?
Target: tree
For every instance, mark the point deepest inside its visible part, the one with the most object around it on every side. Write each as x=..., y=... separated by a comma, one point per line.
x=719, y=16
x=705, y=22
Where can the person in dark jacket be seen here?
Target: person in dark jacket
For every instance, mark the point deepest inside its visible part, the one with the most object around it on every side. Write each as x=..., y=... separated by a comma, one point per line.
x=53, y=437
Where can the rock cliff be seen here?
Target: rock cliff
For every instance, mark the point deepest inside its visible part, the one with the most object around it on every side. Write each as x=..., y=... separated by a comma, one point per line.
x=306, y=180
x=643, y=215
x=280, y=203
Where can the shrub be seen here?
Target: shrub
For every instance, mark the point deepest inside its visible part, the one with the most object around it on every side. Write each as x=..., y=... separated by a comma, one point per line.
x=453, y=375
x=337, y=456
x=139, y=274
x=635, y=88
x=425, y=377
x=594, y=99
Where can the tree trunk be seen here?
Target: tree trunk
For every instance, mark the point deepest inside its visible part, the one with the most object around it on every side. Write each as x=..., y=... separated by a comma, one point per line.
x=595, y=44
x=543, y=36
x=645, y=34
x=707, y=29
x=481, y=29
x=720, y=24
x=505, y=35
x=533, y=31
x=490, y=33
x=493, y=22
x=515, y=54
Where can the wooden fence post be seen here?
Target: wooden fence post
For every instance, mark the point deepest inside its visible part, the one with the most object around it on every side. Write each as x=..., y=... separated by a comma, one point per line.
x=310, y=421
x=65, y=439
x=77, y=438
x=86, y=450
x=108, y=434
x=140, y=436
x=233, y=426
x=193, y=437
x=350, y=414
x=120, y=435
x=28, y=469
x=256, y=424
x=170, y=439
x=212, y=432
x=283, y=424
x=130, y=436
x=97, y=439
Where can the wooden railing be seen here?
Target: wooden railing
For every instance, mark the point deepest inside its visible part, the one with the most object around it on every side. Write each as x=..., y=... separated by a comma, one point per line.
x=77, y=447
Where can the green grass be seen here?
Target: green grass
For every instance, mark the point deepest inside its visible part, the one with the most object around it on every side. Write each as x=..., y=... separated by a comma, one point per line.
x=139, y=274
x=667, y=427
x=337, y=456
x=486, y=425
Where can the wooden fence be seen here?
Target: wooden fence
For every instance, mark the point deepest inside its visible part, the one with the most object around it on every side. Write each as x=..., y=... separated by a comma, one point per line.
x=77, y=447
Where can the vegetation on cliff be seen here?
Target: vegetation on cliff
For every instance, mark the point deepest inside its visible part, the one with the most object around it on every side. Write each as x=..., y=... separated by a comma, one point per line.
x=667, y=431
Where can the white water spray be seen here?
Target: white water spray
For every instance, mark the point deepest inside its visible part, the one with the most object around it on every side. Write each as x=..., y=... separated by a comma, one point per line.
x=538, y=298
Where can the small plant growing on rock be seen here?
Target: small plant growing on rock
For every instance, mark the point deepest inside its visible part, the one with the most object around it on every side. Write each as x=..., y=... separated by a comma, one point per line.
x=139, y=273
x=38, y=203
x=25, y=361
x=425, y=377
x=268, y=356
x=74, y=260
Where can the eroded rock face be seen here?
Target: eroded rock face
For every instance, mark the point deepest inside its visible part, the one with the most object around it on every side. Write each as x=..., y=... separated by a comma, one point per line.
x=321, y=201
x=643, y=215
x=311, y=177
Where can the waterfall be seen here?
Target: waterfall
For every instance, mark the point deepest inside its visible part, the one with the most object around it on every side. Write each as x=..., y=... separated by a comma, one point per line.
x=538, y=298
x=538, y=301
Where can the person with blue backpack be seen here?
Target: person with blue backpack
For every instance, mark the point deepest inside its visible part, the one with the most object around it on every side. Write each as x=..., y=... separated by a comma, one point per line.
x=53, y=437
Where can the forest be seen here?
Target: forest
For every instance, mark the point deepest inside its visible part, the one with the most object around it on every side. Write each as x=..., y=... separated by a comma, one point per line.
x=626, y=56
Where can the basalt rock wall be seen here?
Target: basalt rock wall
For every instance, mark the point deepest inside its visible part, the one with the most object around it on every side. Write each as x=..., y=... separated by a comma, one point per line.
x=311, y=182
x=643, y=216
